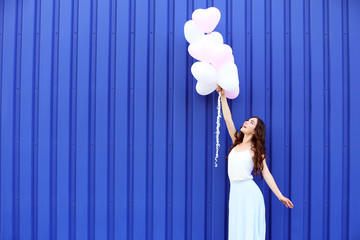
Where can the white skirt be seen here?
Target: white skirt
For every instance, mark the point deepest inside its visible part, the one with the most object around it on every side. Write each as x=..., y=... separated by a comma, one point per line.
x=246, y=211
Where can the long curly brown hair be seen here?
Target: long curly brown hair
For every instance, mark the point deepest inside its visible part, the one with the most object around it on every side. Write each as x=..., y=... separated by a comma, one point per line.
x=258, y=140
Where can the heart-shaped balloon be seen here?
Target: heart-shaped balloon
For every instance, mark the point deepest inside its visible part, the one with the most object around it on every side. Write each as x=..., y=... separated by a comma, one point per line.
x=215, y=37
x=203, y=49
x=204, y=72
x=205, y=89
x=199, y=51
x=232, y=94
x=221, y=55
x=228, y=77
x=207, y=19
x=192, y=32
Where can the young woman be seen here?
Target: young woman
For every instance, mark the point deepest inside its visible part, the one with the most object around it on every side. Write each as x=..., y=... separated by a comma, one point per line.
x=246, y=202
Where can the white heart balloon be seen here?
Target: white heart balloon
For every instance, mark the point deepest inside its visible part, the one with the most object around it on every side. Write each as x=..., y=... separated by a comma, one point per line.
x=232, y=94
x=207, y=19
x=216, y=37
x=204, y=48
x=204, y=72
x=228, y=77
x=205, y=89
x=192, y=32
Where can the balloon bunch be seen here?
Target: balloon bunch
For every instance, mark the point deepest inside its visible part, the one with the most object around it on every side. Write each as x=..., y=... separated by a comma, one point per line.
x=216, y=61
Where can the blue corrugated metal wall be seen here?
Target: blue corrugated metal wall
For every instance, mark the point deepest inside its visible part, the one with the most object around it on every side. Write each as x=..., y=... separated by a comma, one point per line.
x=103, y=135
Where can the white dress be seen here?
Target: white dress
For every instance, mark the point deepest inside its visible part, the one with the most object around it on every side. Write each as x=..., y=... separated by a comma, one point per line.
x=246, y=201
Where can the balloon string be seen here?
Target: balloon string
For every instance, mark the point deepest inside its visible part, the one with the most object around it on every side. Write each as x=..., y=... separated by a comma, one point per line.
x=218, y=129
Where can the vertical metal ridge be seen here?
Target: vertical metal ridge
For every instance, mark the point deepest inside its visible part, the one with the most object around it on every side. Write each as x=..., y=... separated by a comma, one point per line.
x=35, y=120
x=228, y=142
x=208, y=165
x=208, y=149
x=248, y=68
x=150, y=124
x=170, y=117
x=346, y=160
x=189, y=142
x=326, y=209
x=208, y=155
x=111, y=119
x=268, y=99
x=211, y=103
x=54, y=121
x=287, y=110
x=147, y=127
x=92, y=113
x=307, y=110
x=73, y=117
x=1, y=88
x=130, y=182
x=17, y=94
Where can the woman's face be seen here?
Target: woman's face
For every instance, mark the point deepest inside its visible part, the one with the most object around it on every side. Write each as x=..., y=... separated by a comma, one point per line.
x=249, y=126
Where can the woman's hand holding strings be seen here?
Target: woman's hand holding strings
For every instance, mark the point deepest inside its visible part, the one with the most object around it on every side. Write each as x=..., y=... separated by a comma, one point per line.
x=221, y=91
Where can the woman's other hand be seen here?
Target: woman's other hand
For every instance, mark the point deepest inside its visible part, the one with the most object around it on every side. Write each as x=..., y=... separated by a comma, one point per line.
x=286, y=201
x=220, y=90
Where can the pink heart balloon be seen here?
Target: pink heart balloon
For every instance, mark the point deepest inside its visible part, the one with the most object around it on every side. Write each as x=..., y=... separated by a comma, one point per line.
x=203, y=49
x=221, y=55
x=199, y=51
x=206, y=19
x=232, y=94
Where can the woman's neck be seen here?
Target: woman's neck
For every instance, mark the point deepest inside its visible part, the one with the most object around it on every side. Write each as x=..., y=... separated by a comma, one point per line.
x=247, y=140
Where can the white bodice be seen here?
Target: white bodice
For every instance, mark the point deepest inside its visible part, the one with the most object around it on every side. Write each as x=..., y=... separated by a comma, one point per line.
x=240, y=165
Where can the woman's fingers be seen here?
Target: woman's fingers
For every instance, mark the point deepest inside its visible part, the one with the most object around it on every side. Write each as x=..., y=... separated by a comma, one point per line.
x=220, y=90
x=289, y=203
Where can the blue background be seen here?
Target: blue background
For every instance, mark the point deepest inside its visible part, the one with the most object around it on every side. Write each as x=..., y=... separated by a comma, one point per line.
x=103, y=135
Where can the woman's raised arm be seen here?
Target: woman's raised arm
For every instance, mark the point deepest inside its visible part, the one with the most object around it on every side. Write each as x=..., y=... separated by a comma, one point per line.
x=227, y=114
